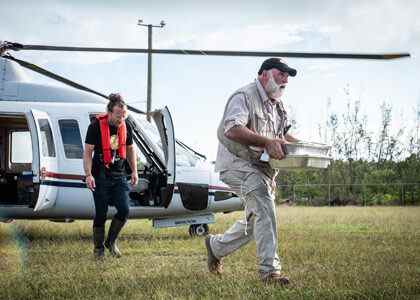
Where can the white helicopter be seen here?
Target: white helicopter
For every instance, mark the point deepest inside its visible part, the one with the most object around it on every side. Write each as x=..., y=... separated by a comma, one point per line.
x=41, y=146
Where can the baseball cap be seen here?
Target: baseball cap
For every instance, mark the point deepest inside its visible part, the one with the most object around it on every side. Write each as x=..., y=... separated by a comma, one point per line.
x=277, y=63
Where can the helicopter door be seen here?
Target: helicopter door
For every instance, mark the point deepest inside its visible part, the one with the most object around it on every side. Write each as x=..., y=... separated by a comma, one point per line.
x=163, y=120
x=44, y=162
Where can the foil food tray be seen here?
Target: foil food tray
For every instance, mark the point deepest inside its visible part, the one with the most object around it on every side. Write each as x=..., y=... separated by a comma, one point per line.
x=304, y=155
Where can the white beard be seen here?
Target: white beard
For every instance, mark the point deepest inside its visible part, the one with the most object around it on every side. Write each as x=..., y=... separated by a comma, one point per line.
x=273, y=89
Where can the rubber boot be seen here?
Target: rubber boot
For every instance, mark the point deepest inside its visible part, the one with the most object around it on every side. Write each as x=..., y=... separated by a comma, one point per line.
x=98, y=242
x=114, y=231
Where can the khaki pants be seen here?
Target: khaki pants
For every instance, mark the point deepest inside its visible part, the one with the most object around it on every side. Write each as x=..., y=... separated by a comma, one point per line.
x=257, y=193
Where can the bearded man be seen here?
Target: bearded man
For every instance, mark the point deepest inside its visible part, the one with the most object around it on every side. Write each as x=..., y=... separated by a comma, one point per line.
x=254, y=120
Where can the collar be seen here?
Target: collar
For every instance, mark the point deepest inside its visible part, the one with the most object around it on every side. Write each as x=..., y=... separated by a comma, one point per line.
x=264, y=97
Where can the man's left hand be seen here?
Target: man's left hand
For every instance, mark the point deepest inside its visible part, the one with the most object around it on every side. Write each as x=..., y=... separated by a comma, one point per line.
x=134, y=179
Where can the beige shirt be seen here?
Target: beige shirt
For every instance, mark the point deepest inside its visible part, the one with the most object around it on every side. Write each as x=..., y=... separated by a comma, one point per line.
x=237, y=114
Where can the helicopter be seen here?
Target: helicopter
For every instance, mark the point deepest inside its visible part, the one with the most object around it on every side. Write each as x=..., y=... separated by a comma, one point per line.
x=41, y=148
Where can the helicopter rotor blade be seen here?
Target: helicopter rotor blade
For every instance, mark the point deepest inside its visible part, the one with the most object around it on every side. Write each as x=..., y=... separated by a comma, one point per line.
x=64, y=80
x=284, y=54
x=374, y=56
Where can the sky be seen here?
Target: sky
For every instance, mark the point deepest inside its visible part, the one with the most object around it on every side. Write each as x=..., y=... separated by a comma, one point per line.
x=196, y=88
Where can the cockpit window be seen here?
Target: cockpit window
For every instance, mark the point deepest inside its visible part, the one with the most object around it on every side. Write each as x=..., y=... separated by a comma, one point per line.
x=185, y=157
x=151, y=130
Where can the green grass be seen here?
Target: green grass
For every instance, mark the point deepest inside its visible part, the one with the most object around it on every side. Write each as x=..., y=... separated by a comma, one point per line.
x=328, y=253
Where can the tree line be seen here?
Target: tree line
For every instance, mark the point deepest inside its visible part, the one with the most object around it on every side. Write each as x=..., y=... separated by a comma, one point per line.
x=369, y=167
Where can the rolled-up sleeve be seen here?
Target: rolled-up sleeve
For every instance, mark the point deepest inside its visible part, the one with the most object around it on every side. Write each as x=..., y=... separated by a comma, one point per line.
x=237, y=112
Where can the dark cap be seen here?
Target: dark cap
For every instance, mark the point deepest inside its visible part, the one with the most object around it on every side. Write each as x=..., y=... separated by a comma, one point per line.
x=277, y=63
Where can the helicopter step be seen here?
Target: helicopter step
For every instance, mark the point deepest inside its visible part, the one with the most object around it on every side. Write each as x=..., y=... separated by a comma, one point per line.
x=198, y=223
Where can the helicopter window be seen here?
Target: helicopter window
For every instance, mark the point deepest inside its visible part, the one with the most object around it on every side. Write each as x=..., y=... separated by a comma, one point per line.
x=48, y=148
x=184, y=157
x=151, y=130
x=72, y=141
x=20, y=147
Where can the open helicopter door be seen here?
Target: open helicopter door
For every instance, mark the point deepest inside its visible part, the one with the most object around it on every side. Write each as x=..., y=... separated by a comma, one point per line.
x=44, y=163
x=163, y=120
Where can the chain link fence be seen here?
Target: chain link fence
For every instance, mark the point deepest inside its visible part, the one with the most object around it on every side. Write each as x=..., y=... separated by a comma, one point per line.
x=313, y=194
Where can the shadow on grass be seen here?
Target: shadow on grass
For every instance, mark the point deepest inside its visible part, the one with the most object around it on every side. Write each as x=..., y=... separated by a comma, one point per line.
x=36, y=234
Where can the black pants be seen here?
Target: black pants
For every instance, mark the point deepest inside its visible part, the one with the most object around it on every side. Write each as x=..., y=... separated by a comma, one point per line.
x=110, y=191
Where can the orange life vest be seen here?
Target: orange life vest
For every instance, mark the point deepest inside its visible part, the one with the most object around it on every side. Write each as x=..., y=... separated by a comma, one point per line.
x=106, y=139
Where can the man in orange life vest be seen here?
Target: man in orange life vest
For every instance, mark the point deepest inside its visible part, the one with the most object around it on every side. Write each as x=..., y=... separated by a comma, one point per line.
x=110, y=140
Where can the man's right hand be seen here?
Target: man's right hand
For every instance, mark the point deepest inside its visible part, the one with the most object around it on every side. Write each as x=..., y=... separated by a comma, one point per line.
x=90, y=182
x=274, y=148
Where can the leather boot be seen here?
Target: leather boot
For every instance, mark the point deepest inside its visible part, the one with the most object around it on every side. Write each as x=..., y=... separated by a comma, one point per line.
x=98, y=242
x=114, y=231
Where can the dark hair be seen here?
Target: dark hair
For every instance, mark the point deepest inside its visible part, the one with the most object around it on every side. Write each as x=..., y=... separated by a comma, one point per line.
x=115, y=99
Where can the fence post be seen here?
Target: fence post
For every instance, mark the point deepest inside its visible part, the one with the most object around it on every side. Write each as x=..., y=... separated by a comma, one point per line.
x=364, y=194
x=329, y=194
x=294, y=194
x=402, y=194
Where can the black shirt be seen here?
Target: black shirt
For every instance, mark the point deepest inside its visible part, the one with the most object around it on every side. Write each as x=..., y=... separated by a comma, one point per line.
x=93, y=137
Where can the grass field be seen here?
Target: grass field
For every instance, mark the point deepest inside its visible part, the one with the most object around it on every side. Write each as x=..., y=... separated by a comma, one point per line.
x=328, y=253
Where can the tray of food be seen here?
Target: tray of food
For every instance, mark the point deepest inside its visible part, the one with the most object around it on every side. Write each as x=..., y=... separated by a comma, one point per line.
x=303, y=155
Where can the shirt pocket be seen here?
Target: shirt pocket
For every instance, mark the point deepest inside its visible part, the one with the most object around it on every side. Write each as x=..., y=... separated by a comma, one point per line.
x=261, y=124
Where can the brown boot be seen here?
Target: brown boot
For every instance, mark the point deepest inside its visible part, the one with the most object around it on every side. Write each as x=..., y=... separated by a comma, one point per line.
x=113, y=232
x=214, y=264
x=98, y=242
x=275, y=278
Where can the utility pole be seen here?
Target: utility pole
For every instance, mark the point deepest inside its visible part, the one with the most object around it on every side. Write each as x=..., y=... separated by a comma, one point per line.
x=149, y=62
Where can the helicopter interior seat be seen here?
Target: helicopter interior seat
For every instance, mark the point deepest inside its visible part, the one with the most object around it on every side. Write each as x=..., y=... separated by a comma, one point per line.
x=140, y=196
